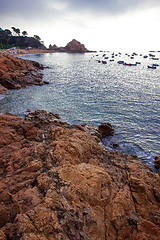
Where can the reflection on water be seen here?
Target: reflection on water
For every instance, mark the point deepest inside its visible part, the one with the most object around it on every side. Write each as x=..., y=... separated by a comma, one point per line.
x=83, y=90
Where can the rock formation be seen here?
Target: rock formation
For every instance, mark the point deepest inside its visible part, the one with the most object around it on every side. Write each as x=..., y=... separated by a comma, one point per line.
x=17, y=73
x=75, y=47
x=105, y=129
x=56, y=49
x=72, y=47
x=58, y=182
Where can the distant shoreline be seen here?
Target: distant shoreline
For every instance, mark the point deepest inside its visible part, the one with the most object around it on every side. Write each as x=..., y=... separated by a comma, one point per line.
x=16, y=52
x=24, y=51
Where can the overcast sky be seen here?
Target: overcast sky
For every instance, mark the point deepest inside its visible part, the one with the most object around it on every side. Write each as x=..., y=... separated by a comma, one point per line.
x=99, y=24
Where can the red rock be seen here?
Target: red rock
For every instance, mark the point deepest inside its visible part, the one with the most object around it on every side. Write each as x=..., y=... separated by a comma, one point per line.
x=16, y=73
x=9, y=207
x=75, y=47
x=148, y=228
x=68, y=186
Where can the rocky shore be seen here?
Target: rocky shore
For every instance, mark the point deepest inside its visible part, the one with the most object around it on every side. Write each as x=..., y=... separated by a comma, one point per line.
x=58, y=181
x=16, y=73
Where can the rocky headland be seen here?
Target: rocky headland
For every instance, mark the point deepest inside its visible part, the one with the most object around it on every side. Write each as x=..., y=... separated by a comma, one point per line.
x=16, y=73
x=58, y=181
x=73, y=46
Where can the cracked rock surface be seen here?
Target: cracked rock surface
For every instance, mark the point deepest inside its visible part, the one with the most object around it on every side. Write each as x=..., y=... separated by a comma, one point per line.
x=58, y=182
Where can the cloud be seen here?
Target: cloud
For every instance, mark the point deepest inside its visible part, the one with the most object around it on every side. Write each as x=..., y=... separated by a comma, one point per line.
x=110, y=7
x=30, y=9
x=40, y=9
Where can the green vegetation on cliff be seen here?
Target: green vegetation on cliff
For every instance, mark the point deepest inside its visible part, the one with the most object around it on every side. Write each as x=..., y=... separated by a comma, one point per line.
x=13, y=39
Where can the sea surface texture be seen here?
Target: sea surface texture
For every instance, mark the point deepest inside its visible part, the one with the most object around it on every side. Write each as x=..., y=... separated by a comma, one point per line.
x=82, y=89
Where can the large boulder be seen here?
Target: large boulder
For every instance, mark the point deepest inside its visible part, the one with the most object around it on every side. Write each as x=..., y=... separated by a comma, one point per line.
x=58, y=182
x=105, y=130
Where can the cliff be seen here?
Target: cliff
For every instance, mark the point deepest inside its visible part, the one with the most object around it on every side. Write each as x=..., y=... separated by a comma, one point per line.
x=17, y=73
x=58, y=181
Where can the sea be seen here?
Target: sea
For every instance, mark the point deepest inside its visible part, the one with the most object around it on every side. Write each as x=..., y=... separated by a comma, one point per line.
x=83, y=89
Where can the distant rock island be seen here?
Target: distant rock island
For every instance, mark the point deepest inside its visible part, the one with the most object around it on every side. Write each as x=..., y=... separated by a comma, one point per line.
x=73, y=47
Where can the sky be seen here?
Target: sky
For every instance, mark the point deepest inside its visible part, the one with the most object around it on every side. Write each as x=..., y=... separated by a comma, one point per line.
x=115, y=25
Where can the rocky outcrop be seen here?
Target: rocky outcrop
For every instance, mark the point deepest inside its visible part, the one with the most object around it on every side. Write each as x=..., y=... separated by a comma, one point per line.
x=17, y=73
x=72, y=47
x=58, y=182
x=105, y=129
x=75, y=47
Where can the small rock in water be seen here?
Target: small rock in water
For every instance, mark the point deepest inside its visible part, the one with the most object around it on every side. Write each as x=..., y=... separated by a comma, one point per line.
x=157, y=162
x=106, y=129
x=115, y=145
x=45, y=82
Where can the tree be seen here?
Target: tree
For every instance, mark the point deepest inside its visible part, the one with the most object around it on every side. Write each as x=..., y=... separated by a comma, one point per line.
x=24, y=33
x=14, y=30
x=18, y=31
x=37, y=37
x=8, y=32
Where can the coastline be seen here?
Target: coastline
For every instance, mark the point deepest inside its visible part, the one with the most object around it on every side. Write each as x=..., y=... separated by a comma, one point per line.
x=18, y=52
x=17, y=86
x=59, y=181
x=24, y=51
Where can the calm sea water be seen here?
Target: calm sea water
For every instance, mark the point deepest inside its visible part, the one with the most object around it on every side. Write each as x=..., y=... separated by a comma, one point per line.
x=82, y=90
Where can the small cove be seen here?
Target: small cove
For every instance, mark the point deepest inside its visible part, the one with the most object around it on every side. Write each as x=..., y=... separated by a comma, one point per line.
x=81, y=90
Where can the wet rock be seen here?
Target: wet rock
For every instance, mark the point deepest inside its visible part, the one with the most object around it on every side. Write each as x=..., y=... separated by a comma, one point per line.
x=69, y=186
x=157, y=162
x=16, y=73
x=45, y=82
x=106, y=129
x=115, y=145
